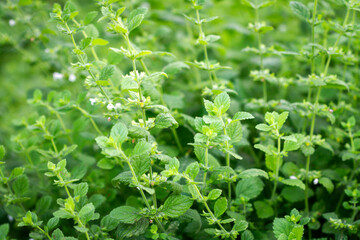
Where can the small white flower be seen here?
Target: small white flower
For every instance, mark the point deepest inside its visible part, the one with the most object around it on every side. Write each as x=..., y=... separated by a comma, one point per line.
x=229, y=120
x=57, y=76
x=12, y=22
x=47, y=50
x=72, y=77
x=118, y=105
x=92, y=101
x=293, y=177
x=10, y=218
x=316, y=181
x=110, y=106
x=142, y=75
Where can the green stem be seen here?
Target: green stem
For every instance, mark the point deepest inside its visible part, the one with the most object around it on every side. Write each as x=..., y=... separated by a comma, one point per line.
x=137, y=183
x=201, y=36
x=257, y=21
x=277, y=167
x=80, y=58
x=43, y=232
x=313, y=37
x=205, y=204
x=206, y=164
x=85, y=35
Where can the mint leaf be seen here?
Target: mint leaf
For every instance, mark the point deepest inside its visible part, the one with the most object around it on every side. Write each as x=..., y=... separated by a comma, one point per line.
x=249, y=188
x=214, y=194
x=125, y=214
x=300, y=9
x=294, y=182
x=222, y=102
x=253, y=172
x=220, y=207
x=119, y=132
x=176, y=205
x=263, y=210
x=165, y=120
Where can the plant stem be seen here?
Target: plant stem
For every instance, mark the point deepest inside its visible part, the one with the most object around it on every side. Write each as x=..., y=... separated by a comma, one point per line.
x=80, y=58
x=137, y=183
x=85, y=35
x=313, y=38
x=277, y=167
x=76, y=217
x=314, y=114
x=205, y=204
x=206, y=164
x=257, y=21
x=43, y=232
x=201, y=36
x=175, y=135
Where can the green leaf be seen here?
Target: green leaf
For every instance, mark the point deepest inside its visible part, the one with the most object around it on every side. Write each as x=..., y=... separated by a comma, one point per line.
x=81, y=189
x=294, y=182
x=234, y=131
x=175, y=67
x=263, y=210
x=249, y=188
x=290, y=145
x=296, y=233
x=62, y=213
x=263, y=148
x=300, y=9
x=253, y=172
x=106, y=72
x=141, y=164
x=247, y=235
x=2, y=152
x=21, y=185
x=85, y=43
x=222, y=102
x=293, y=194
x=176, y=205
x=242, y=116
x=282, y=118
x=43, y=204
x=220, y=207
x=327, y=183
x=109, y=223
x=125, y=214
x=51, y=224
x=90, y=16
x=141, y=148
x=281, y=226
x=165, y=120
x=16, y=172
x=106, y=163
x=214, y=194
x=127, y=231
x=134, y=22
x=123, y=177
x=87, y=212
x=4, y=230
x=263, y=127
x=240, y=226
x=99, y=42
x=192, y=170
x=57, y=234
x=119, y=132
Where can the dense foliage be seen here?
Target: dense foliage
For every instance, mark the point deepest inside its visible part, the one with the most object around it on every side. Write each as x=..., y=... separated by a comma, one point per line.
x=195, y=119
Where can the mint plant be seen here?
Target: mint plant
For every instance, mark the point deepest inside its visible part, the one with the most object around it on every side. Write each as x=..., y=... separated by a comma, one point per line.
x=124, y=119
